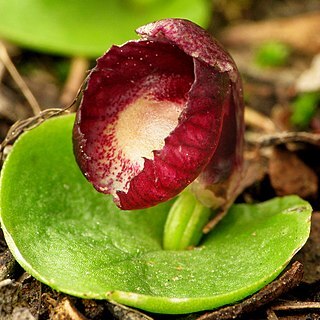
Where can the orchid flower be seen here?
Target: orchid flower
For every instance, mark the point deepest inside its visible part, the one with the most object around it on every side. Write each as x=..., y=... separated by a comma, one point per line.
x=159, y=113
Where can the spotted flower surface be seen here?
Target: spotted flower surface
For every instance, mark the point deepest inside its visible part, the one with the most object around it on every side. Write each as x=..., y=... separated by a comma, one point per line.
x=158, y=113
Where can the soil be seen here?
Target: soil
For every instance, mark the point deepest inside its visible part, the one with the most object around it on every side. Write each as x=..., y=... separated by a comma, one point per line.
x=284, y=163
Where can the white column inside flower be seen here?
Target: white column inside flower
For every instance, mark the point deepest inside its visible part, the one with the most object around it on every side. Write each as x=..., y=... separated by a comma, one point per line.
x=143, y=126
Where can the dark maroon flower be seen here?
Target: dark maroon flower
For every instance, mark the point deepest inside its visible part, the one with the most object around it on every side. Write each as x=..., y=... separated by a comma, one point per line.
x=158, y=113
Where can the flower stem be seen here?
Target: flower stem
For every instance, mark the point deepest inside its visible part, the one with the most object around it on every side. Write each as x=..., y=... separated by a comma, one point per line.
x=185, y=222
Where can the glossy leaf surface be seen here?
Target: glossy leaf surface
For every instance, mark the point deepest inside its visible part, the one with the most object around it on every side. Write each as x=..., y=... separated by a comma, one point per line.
x=76, y=240
x=87, y=28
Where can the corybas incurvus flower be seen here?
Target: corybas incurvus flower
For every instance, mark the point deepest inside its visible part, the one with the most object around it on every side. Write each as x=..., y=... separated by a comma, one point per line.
x=158, y=113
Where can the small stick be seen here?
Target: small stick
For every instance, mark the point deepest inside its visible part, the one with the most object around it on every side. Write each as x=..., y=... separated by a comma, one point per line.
x=296, y=305
x=78, y=69
x=258, y=120
x=214, y=221
x=4, y=56
x=22, y=125
x=268, y=140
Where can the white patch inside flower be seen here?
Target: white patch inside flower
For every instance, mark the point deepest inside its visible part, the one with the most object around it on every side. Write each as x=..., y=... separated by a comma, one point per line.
x=143, y=126
x=140, y=129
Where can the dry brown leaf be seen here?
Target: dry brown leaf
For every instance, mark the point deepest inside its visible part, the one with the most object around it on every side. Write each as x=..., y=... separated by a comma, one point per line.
x=254, y=170
x=289, y=175
x=300, y=32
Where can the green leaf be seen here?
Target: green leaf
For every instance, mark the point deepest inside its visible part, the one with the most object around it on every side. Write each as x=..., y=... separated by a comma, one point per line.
x=272, y=54
x=88, y=28
x=304, y=109
x=77, y=241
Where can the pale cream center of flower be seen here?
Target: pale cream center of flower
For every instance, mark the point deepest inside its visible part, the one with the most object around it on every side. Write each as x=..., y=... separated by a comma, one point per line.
x=143, y=126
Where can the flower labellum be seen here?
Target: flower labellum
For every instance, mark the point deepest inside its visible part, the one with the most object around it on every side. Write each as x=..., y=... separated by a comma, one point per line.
x=159, y=113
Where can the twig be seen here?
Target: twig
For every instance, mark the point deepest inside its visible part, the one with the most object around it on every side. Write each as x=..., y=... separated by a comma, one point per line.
x=268, y=140
x=22, y=125
x=4, y=56
x=296, y=305
x=290, y=306
x=78, y=69
x=215, y=220
x=258, y=120
x=27, y=124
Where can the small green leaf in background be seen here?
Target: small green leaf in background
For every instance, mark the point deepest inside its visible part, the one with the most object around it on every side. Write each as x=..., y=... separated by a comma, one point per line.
x=272, y=54
x=77, y=241
x=304, y=109
x=88, y=28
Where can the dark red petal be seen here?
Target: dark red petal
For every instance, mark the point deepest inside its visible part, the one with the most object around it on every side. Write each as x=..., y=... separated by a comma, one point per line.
x=161, y=74
x=193, y=40
x=183, y=158
x=197, y=43
x=177, y=65
x=229, y=153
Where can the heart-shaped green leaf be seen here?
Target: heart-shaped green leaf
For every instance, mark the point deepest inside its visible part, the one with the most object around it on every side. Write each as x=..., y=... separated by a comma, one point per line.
x=88, y=28
x=76, y=240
